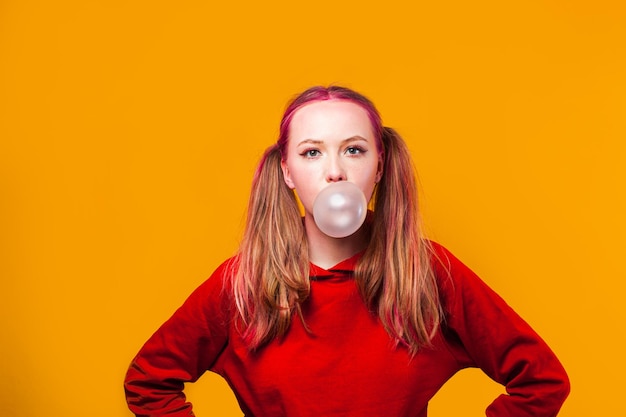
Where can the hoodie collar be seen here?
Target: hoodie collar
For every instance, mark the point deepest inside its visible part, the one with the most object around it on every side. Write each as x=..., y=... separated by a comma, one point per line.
x=344, y=267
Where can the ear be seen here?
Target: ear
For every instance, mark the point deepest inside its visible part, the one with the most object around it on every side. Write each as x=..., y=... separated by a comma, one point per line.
x=286, y=174
x=379, y=169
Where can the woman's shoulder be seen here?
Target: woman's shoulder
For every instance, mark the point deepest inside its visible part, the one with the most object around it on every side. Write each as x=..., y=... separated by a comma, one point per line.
x=441, y=259
x=460, y=288
x=216, y=289
x=454, y=278
x=445, y=263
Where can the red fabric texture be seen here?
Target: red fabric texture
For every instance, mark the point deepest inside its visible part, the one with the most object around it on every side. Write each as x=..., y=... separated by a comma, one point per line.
x=347, y=365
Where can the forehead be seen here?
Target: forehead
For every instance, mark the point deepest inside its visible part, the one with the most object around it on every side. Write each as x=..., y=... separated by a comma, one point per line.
x=330, y=119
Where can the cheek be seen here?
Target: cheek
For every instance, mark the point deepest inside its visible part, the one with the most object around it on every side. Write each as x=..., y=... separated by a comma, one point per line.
x=301, y=177
x=368, y=180
x=294, y=172
x=304, y=185
x=369, y=191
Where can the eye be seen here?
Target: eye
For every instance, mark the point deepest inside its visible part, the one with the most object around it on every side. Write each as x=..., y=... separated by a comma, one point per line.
x=310, y=153
x=354, y=150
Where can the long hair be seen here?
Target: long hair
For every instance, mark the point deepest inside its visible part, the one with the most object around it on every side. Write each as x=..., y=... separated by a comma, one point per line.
x=270, y=276
x=395, y=274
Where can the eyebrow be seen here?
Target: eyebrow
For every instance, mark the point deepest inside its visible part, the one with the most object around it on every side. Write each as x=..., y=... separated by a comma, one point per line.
x=355, y=138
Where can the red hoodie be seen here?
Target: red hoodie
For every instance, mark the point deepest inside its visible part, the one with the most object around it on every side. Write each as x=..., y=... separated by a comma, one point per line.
x=347, y=365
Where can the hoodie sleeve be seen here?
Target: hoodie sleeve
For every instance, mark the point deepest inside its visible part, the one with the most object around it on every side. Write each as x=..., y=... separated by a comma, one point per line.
x=180, y=351
x=487, y=333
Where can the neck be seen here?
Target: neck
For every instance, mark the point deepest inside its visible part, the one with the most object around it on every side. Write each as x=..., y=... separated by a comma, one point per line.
x=326, y=251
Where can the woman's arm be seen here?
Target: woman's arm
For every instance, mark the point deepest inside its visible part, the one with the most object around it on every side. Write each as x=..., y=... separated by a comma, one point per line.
x=496, y=339
x=179, y=351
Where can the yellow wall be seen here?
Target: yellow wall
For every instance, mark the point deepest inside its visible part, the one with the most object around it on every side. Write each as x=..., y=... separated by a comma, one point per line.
x=129, y=131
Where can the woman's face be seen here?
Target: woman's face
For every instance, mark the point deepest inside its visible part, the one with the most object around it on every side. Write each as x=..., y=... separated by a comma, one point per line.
x=330, y=141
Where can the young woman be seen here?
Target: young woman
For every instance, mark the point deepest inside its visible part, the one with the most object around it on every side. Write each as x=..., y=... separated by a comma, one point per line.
x=301, y=323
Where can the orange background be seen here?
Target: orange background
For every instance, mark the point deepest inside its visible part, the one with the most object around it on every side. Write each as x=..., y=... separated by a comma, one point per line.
x=129, y=131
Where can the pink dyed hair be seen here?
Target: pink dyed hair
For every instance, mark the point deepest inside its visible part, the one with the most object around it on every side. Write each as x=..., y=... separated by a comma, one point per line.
x=321, y=93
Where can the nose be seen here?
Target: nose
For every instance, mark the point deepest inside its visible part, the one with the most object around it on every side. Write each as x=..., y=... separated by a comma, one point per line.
x=335, y=171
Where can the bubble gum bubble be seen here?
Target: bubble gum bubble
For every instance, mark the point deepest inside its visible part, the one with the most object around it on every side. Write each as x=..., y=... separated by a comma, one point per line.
x=340, y=209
